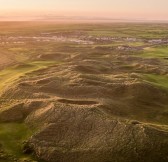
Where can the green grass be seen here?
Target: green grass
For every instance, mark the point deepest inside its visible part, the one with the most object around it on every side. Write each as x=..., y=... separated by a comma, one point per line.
x=135, y=44
x=12, y=136
x=157, y=80
x=157, y=52
x=10, y=75
x=130, y=30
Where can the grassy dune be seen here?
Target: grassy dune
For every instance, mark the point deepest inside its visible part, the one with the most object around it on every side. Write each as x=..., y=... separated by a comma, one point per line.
x=84, y=92
x=12, y=136
x=10, y=75
x=156, y=52
x=157, y=80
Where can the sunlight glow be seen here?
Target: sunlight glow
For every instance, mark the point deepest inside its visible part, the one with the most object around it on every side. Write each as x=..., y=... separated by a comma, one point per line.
x=133, y=9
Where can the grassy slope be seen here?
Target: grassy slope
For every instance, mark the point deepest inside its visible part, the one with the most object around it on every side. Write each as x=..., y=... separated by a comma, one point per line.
x=156, y=52
x=161, y=53
x=11, y=137
x=10, y=75
x=157, y=80
x=13, y=134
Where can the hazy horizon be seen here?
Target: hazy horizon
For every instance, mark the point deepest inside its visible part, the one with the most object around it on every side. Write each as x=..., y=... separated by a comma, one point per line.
x=98, y=9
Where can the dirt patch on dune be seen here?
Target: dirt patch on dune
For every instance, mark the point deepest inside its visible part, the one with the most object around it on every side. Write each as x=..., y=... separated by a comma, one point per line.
x=55, y=56
x=43, y=81
x=77, y=102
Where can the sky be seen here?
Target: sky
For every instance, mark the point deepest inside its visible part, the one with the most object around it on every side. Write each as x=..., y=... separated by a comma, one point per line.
x=111, y=9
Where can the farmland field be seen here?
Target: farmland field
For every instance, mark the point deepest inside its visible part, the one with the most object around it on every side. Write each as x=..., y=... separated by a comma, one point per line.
x=83, y=92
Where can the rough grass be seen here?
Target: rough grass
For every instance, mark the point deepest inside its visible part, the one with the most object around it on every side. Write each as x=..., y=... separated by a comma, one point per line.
x=10, y=75
x=131, y=30
x=156, y=52
x=157, y=80
x=12, y=136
